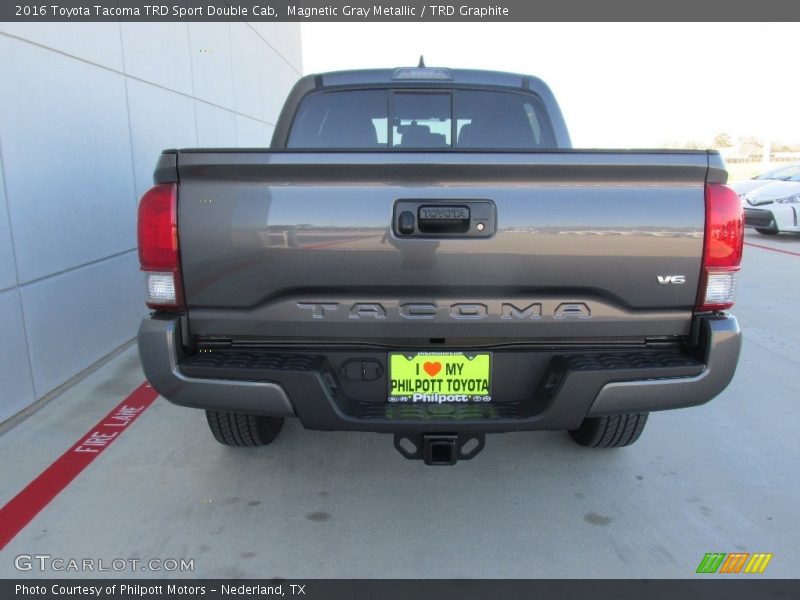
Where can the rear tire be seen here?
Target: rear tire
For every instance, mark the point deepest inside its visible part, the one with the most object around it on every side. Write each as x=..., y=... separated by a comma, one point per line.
x=767, y=231
x=614, y=431
x=233, y=429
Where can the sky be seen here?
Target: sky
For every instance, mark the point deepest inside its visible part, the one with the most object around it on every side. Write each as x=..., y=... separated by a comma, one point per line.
x=620, y=85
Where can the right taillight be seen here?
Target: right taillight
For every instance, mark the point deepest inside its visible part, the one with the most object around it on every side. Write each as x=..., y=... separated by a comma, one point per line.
x=158, y=246
x=722, y=248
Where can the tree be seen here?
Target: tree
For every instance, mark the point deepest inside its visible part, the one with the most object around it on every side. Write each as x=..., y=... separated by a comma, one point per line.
x=693, y=145
x=723, y=140
x=750, y=146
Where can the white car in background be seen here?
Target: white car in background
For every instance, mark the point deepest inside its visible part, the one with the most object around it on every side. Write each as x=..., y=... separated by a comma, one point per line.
x=774, y=207
x=782, y=173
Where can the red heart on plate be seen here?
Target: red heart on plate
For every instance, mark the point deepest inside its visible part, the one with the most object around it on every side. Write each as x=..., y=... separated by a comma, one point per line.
x=432, y=368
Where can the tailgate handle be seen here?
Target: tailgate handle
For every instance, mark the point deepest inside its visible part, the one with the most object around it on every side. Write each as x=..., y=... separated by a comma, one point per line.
x=446, y=218
x=427, y=218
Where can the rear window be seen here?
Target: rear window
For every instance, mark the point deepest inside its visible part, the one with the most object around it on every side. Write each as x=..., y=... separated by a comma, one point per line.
x=421, y=119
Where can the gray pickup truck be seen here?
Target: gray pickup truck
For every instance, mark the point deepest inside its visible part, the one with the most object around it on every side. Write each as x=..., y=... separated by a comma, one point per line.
x=420, y=252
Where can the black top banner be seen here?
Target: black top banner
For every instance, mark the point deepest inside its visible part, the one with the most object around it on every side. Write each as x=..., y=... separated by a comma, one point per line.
x=399, y=10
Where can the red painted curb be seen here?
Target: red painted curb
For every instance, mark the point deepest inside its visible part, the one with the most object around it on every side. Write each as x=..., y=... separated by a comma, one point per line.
x=771, y=248
x=23, y=507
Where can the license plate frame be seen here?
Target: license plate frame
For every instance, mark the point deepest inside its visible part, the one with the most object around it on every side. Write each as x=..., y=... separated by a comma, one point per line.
x=426, y=377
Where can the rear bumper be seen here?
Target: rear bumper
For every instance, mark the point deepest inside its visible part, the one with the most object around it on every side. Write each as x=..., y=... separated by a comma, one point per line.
x=561, y=389
x=722, y=343
x=761, y=218
x=778, y=217
x=161, y=353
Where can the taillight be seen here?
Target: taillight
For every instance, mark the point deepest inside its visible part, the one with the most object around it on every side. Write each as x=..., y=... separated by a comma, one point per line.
x=158, y=246
x=722, y=248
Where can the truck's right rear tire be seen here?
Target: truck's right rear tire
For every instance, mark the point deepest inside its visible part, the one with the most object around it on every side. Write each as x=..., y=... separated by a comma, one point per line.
x=234, y=429
x=767, y=231
x=610, y=432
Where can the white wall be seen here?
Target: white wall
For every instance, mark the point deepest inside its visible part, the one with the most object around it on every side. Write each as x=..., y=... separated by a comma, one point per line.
x=85, y=109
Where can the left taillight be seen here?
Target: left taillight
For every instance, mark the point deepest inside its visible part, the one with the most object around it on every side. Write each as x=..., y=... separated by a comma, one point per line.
x=159, y=257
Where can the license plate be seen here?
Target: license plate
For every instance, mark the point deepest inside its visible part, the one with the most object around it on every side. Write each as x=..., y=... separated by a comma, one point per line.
x=440, y=377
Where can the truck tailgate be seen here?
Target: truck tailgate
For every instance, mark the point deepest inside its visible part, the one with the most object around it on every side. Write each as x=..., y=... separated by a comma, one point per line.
x=304, y=246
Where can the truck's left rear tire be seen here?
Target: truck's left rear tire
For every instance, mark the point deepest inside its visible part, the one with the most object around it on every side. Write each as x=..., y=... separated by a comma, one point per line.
x=610, y=432
x=234, y=429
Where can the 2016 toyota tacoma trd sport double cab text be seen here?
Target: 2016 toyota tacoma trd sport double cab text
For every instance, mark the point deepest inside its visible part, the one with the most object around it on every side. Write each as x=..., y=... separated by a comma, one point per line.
x=420, y=252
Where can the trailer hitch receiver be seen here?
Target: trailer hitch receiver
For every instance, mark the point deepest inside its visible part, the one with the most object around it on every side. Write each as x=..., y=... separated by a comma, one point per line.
x=439, y=449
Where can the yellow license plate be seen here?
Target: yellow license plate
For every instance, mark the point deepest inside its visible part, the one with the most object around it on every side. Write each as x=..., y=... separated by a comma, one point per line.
x=440, y=377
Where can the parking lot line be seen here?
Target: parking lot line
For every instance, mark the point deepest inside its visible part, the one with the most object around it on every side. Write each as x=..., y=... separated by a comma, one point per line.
x=771, y=248
x=21, y=509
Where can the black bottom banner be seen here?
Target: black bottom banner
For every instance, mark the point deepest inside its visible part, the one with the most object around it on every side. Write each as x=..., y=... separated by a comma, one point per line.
x=388, y=589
